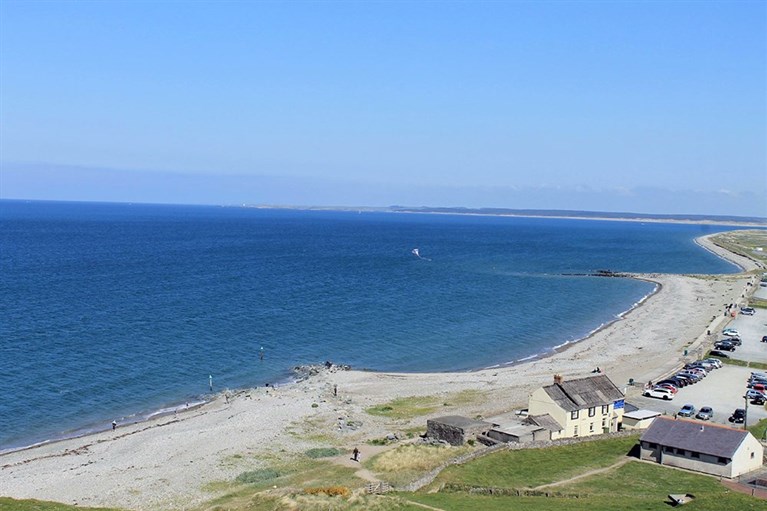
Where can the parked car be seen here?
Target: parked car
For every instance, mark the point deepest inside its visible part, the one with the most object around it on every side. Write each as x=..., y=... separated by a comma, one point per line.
x=673, y=388
x=715, y=362
x=706, y=366
x=738, y=416
x=693, y=376
x=756, y=396
x=764, y=338
x=672, y=381
x=706, y=413
x=733, y=340
x=748, y=311
x=724, y=346
x=659, y=393
x=698, y=370
x=730, y=332
x=687, y=410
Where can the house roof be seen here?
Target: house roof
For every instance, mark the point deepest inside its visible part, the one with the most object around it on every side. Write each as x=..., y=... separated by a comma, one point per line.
x=583, y=393
x=695, y=436
x=544, y=421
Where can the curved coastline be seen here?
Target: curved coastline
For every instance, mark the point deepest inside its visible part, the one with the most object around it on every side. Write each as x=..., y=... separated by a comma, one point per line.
x=186, y=451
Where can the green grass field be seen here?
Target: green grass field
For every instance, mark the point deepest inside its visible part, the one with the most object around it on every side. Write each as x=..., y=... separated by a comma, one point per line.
x=7, y=504
x=533, y=467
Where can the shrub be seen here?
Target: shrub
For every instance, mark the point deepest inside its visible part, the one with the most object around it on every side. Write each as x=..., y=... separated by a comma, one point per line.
x=330, y=491
x=323, y=452
x=257, y=476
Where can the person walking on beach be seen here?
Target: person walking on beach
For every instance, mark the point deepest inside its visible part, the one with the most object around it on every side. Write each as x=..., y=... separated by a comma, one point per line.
x=356, y=454
x=114, y=425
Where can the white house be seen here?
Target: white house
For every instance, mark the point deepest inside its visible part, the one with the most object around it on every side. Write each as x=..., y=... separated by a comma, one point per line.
x=579, y=407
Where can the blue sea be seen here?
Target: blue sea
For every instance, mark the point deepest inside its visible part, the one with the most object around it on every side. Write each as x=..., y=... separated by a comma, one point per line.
x=114, y=311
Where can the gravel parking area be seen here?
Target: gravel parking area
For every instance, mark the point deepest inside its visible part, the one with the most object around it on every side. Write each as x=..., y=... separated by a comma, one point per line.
x=751, y=329
x=722, y=390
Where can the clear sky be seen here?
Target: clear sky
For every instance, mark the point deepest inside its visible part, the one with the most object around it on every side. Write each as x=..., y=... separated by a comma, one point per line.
x=656, y=107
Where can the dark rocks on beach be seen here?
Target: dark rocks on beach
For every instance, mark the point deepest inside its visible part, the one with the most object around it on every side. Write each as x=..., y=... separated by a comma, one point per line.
x=598, y=273
x=314, y=369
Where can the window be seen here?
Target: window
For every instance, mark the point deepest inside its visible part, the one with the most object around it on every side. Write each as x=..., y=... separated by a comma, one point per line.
x=680, y=451
x=592, y=411
x=604, y=423
x=651, y=445
x=574, y=414
x=752, y=455
x=575, y=431
x=722, y=461
x=591, y=427
x=605, y=409
x=695, y=454
x=666, y=448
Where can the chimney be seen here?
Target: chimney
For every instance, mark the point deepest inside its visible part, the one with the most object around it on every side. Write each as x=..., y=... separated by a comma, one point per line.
x=558, y=379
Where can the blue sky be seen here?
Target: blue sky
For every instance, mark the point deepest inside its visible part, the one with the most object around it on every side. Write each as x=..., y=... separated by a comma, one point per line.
x=656, y=107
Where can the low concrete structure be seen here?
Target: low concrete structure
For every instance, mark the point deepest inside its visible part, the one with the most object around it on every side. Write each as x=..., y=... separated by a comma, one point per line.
x=639, y=419
x=456, y=430
x=518, y=432
x=702, y=447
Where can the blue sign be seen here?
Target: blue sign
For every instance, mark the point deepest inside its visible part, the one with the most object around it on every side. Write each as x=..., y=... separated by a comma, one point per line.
x=619, y=404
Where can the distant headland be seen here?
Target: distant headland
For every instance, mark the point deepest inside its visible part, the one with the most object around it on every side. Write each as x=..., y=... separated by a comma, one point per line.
x=542, y=213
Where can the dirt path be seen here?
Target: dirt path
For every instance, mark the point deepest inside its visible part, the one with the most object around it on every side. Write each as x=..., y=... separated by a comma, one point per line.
x=425, y=506
x=366, y=452
x=584, y=475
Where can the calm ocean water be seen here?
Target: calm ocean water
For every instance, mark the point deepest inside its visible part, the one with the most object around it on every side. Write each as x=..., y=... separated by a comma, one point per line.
x=113, y=311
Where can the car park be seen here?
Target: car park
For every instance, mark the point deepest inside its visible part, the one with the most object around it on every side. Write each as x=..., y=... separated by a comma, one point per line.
x=687, y=410
x=659, y=393
x=738, y=416
x=706, y=413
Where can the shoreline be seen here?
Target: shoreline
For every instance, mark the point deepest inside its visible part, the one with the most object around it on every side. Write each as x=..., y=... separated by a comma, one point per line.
x=166, y=461
x=170, y=409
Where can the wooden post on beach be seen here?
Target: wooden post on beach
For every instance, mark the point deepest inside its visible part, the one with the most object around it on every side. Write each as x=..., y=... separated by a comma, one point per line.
x=210, y=382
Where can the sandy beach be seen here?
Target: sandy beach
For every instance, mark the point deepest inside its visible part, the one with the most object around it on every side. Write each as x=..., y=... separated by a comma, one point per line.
x=167, y=462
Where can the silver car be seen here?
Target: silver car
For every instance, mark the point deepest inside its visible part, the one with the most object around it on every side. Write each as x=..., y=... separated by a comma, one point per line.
x=706, y=413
